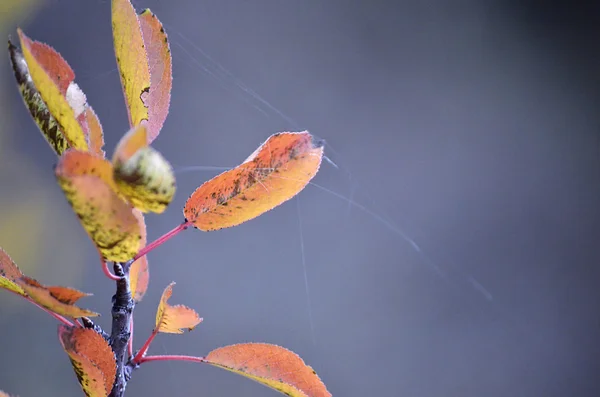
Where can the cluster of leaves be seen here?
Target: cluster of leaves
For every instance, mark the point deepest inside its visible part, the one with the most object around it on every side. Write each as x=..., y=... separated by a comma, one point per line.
x=110, y=198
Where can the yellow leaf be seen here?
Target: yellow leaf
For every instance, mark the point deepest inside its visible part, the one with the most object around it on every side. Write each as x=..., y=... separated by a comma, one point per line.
x=142, y=174
x=9, y=273
x=52, y=94
x=271, y=365
x=92, y=358
x=277, y=171
x=131, y=57
x=35, y=104
x=57, y=299
x=89, y=187
x=171, y=319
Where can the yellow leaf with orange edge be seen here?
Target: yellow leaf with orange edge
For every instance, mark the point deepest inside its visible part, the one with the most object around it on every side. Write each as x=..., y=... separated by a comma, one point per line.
x=87, y=181
x=53, y=79
x=142, y=174
x=172, y=319
x=92, y=358
x=95, y=135
x=9, y=273
x=271, y=365
x=139, y=274
x=60, y=300
x=132, y=61
x=278, y=170
x=161, y=76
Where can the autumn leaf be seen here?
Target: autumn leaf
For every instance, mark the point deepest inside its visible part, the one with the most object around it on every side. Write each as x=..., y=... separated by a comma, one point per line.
x=271, y=365
x=94, y=133
x=3, y=394
x=9, y=273
x=87, y=181
x=53, y=79
x=171, y=319
x=139, y=275
x=161, y=77
x=142, y=174
x=132, y=60
x=60, y=300
x=92, y=358
x=277, y=171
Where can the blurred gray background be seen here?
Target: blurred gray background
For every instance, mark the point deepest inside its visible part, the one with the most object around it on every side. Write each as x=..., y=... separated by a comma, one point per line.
x=471, y=125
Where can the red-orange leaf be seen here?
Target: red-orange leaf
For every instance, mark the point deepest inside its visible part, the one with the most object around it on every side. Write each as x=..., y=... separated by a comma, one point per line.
x=60, y=300
x=87, y=181
x=92, y=358
x=171, y=319
x=159, y=62
x=273, y=174
x=142, y=174
x=139, y=274
x=271, y=365
x=9, y=273
x=131, y=59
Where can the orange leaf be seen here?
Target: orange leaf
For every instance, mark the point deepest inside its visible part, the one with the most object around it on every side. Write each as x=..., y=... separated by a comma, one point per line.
x=171, y=319
x=94, y=132
x=89, y=187
x=271, y=365
x=3, y=394
x=139, y=275
x=9, y=273
x=161, y=77
x=92, y=358
x=142, y=174
x=64, y=100
x=131, y=57
x=58, y=299
x=273, y=174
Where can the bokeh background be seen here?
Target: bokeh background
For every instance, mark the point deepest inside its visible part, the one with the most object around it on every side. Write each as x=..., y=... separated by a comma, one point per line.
x=472, y=126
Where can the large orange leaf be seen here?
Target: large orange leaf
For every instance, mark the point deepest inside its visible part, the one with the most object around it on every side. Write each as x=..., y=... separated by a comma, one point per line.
x=161, y=77
x=139, y=275
x=172, y=319
x=9, y=273
x=271, y=365
x=132, y=61
x=53, y=79
x=60, y=300
x=89, y=187
x=142, y=174
x=92, y=358
x=274, y=173
x=35, y=104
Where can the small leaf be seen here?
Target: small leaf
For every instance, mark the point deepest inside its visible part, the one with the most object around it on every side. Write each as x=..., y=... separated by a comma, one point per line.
x=92, y=358
x=9, y=273
x=142, y=174
x=89, y=187
x=34, y=102
x=171, y=319
x=53, y=78
x=94, y=134
x=271, y=365
x=139, y=275
x=131, y=57
x=161, y=77
x=273, y=174
x=57, y=299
